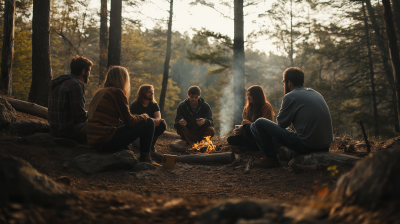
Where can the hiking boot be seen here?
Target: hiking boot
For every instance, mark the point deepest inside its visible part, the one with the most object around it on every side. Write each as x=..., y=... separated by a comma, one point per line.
x=267, y=162
x=145, y=157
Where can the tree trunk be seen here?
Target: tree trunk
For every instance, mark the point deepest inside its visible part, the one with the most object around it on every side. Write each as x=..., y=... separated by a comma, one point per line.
x=103, y=41
x=385, y=59
x=27, y=107
x=41, y=64
x=393, y=49
x=114, y=45
x=167, y=59
x=291, y=34
x=396, y=14
x=8, y=47
x=372, y=74
x=224, y=157
x=238, y=63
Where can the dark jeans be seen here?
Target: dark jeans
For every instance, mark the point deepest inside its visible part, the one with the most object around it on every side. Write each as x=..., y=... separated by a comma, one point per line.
x=269, y=136
x=126, y=135
x=160, y=129
x=246, y=139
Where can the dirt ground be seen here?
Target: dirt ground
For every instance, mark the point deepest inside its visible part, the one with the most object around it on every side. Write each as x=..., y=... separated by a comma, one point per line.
x=196, y=188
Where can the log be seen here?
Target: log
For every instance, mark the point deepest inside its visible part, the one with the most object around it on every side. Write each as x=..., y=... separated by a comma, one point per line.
x=249, y=165
x=27, y=107
x=225, y=157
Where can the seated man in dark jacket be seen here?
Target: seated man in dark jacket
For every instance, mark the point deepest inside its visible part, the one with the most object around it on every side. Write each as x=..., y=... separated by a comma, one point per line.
x=66, y=113
x=193, y=119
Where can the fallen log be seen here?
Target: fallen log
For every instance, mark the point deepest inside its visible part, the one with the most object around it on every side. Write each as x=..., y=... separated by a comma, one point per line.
x=225, y=157
x=249, y=165
x=27, y=107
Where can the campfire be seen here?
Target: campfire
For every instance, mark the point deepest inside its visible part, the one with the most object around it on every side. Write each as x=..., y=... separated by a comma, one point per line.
x=206, y=145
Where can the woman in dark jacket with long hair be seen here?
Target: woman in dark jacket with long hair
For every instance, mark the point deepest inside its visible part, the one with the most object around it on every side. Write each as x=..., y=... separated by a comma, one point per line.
x=257, y=106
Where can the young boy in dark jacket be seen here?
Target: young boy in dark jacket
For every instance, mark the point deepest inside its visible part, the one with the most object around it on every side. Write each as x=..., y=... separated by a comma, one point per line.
x=193, y=119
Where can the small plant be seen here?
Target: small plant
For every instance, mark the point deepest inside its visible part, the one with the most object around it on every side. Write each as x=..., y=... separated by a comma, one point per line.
x=333, y=170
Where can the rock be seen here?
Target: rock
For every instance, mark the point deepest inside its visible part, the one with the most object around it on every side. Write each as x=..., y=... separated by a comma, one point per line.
x=186, y=166
x=180, y=146
x=374, y=181
x=91, y=163
x=206, y=168
x=28, y=127
x=21, y=183
x=142, y=175
x=297, y=168
x=143, y=166
x=168, y=134
x=349, y=148
x=64, y=180
x=232, y=211
x=65, y=142
x=358, y=145
x=40, y=140
x=7, y=113
x=317, y=158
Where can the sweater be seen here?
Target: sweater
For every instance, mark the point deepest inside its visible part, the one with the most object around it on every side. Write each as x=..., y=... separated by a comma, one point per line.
x=111, y=112
x=266, y=112
x=307, y=110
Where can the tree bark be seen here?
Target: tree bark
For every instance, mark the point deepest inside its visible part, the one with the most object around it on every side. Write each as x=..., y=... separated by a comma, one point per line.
x=103, y=41
x=396, y=14
x=41, y=59
x=385, y=60
x=393, y=49
x=114, y=45
x=238, y=62
x=225, y=157
x=8, y=47
x=166, y=62
x=27, y=107
x=372, y=74
x=291, y=34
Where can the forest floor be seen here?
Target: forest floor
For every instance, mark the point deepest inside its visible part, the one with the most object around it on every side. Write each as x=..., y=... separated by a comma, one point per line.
x=167, y=196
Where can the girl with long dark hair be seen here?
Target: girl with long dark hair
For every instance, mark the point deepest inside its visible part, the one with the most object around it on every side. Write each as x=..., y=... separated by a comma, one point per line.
x=257, y=106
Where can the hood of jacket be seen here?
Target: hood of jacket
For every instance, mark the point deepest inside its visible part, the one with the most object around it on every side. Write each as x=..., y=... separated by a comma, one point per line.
x=57, y=81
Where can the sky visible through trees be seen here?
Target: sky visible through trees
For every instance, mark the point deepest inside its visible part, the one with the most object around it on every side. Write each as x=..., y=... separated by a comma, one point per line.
x=328, y=39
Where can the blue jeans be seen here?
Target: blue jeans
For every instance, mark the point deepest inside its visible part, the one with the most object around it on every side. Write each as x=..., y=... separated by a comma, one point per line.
x=269, y=136
x=126, y=135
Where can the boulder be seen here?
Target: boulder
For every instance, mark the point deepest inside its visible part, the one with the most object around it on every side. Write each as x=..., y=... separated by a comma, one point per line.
x=7, y=113
x=374, y=181
x=242, y=210
x=143, y=166
x=21, y=183
x=317, y=158
x=65, y=142
x=180, y=146
x=39, y=139
x=91, y=163
x=28, y=127
x=168, y=134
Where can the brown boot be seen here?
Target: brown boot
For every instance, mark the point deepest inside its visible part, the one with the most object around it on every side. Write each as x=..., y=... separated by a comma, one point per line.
x=145, y=157
x=267, y=162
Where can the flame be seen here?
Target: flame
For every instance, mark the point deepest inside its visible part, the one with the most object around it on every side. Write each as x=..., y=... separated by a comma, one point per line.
x=206, y=142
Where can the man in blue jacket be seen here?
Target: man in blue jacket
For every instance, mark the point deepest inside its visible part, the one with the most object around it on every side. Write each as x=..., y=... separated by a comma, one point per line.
x=194, y=119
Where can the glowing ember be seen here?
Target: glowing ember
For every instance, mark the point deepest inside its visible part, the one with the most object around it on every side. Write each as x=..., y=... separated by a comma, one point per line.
x=205, y=143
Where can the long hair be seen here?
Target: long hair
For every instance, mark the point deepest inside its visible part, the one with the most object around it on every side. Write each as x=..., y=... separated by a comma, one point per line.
x=253, y=110
x=141, y=94
x=117, y=77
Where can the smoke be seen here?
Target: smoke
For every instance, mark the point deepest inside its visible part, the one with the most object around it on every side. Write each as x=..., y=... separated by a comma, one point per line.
x=227, y=104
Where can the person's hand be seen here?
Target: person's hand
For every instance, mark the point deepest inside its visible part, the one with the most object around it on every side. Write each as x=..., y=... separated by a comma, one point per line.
x=145, y=116
x=156, y=122
x=201, y=121
x=162, y=121
x=182, y=122
x=245, y=121
x=238, y=131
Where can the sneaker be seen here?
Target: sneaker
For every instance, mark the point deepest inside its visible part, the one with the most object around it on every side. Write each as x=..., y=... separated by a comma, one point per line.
x=267, y=162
